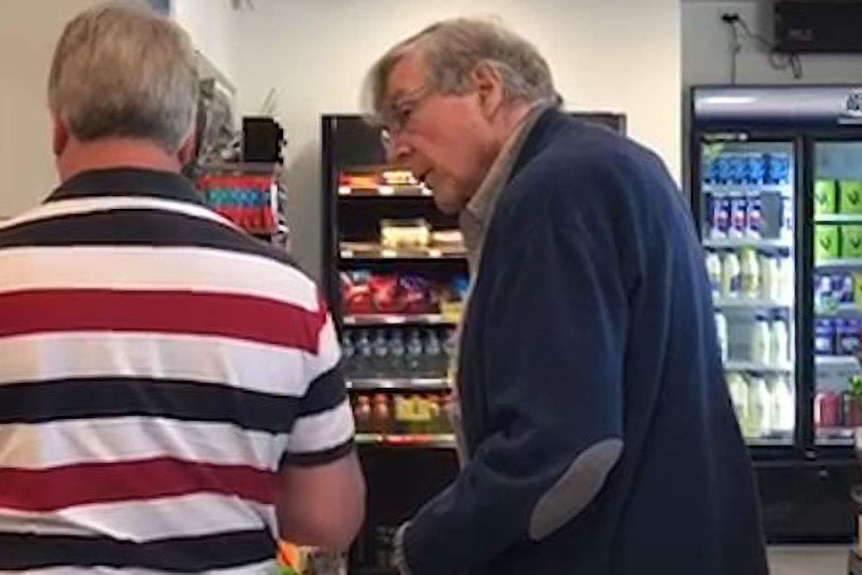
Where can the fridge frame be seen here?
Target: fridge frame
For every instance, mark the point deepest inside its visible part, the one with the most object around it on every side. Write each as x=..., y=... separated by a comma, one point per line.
x=808, y=474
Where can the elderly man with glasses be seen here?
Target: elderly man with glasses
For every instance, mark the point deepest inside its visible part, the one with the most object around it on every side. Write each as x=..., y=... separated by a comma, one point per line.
x=598, y=431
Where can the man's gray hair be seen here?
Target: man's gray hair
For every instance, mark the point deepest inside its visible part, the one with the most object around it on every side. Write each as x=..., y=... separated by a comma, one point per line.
x=452, y=49
x=122, y=70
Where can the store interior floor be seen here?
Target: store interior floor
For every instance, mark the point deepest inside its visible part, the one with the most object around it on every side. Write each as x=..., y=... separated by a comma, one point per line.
x=809, y=560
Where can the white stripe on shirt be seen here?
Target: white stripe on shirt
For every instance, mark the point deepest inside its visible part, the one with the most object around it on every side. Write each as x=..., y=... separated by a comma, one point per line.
x=322, y=431
x=110, y=440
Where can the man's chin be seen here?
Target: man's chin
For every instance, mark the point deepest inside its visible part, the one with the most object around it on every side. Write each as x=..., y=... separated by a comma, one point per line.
x=448, y=203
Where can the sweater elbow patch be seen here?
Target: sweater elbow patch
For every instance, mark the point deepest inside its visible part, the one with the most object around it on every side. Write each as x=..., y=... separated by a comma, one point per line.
x=577, y=487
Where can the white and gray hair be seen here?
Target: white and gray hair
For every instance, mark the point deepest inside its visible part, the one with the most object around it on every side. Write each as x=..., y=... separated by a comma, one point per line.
x=122, y=70
x=452, y=49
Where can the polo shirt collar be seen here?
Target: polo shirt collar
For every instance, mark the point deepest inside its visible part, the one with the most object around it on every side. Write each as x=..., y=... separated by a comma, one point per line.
x=138, y=182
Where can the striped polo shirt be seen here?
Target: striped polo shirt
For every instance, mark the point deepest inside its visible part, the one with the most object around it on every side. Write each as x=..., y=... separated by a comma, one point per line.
x=157, y=368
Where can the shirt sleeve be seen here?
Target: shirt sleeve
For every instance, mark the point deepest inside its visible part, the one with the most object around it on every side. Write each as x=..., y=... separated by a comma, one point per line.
x=552, y=354
x=324, y=427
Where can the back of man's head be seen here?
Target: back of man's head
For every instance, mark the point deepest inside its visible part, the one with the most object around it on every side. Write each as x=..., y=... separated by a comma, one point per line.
x=121, y=70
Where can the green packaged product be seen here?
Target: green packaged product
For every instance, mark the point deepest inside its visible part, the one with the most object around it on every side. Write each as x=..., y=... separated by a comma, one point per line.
x=851, y=241
x=825, y=197
x=850, y=196
x=827, y=242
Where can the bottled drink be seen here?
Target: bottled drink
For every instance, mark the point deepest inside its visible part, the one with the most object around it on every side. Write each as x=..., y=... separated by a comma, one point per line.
x=720, y=218
x=738, y=217
x=713, y=270
x=396, y=353
x=769, y=281
x=754, y=219
x=381, y=351
x=721, y=329
x=759, y=407
x=348, y=350
x=782, y=410
x=779, y=341
x=760, y=341
x=738, y=388
x=435, y=361
x=364, y=354
x=730, y=275
x=749, y=274
x=824, y=337
x=786, y=279
x=413, y=351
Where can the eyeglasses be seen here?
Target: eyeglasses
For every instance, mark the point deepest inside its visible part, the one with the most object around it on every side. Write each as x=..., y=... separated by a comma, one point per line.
x=399, y=114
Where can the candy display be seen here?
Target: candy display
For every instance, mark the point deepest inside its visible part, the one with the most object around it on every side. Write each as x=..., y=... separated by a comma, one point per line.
x=247, y=200
x=412, y=233
x=363, y=293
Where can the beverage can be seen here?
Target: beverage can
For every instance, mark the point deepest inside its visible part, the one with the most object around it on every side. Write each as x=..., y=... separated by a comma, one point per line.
x=720, y=217
x=754, y=218
x=738, y=217
x=824, y=337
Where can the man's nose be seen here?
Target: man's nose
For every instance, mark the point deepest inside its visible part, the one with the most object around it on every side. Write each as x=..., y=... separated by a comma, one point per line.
x=399, y=151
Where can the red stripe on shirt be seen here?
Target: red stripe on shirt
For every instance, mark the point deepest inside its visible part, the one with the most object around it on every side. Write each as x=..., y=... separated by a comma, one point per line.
x=52, y=489
x=183, y=312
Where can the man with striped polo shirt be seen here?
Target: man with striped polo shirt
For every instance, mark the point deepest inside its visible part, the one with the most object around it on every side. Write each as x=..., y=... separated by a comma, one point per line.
x=170, y=399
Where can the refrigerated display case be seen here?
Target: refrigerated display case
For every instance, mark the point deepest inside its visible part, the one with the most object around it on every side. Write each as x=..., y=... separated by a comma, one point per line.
x=395, y=272
x=776, y=176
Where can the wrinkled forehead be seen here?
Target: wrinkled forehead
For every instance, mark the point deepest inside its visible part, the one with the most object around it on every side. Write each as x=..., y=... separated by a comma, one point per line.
x=408, y=74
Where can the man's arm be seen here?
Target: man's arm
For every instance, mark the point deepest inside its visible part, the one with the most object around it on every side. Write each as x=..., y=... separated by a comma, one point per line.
x=321, y=491
x=553, y=357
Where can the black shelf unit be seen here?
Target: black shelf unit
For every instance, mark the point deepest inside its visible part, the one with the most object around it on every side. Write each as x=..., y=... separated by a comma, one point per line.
x=403, y=469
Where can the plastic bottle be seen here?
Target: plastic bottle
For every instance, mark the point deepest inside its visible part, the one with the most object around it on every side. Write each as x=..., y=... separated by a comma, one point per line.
x=730, y=275
x=779, y=344
x=759, y=406
x=749, y=274
x=348, y=351
x=720, y=218
x=786, y=277
x=381, y=351
x=783, y=407
x=738, y=217
x=364, y=354
x=754, y=219
x=769, y=281
x=721, y=330
x=396, y=353
x=713, y=270
x=433, y=354
x=760, y=341
x=738, y=388
x=413, y=351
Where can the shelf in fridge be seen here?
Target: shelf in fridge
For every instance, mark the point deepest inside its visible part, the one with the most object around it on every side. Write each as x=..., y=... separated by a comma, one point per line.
x=750, y=303
x=748, y=242
x=757, y=367
x=838, y=219
x=839, y=263
x=840, y=309
x=837, y=361
x=739, y=190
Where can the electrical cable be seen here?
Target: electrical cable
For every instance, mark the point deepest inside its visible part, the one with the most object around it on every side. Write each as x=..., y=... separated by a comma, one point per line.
x=777, y=60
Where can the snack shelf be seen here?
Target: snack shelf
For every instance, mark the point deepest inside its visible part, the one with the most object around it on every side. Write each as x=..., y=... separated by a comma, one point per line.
x=385, y=191
x=418, y=384
x=370, y=251
x=432, y=441
x=383, y=319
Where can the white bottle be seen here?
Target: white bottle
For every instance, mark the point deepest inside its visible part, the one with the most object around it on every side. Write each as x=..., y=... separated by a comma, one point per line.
x=779, y=342
x=721, y=330
x=738, y=388
x=713, y=270
x=759, y=407
x=730, y=275
x=769, y=281
x=760, y=344
x=749, y=274
x=786, y=279
x=783, y=408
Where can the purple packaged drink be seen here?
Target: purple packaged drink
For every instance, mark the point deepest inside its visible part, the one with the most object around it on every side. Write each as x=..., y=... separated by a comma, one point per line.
x=720, y=217
x=754, y=218
x=738, y=217
x=824, y=337
x=823, y=294
x=842, y=288
x=847, y=336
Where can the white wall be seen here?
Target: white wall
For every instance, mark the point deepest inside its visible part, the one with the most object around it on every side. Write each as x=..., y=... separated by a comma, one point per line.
x=212, y=25
x=706, y=53
x=617, y=55
x=28, y=31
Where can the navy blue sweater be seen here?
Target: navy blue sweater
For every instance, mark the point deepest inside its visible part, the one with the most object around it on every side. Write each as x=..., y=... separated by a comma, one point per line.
x=590, y=320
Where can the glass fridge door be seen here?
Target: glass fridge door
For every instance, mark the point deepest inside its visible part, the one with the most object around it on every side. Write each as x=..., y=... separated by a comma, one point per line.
x=837, y=278
x=747, y=220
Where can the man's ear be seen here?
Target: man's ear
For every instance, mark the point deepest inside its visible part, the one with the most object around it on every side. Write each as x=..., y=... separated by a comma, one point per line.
x=188, y=150
x=60, y=134
x=489, y=88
